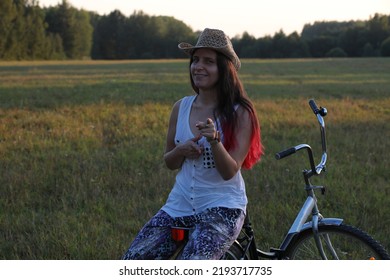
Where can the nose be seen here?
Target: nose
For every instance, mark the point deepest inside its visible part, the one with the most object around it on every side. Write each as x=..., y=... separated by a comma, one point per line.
x=198, y=66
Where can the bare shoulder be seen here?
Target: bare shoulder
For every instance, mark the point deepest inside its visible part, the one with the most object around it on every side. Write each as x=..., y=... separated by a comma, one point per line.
x=244, y=118
x=177, y=104
x=175, y=109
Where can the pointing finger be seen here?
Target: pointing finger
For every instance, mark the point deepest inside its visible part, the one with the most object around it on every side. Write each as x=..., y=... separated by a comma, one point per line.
x=196, y=138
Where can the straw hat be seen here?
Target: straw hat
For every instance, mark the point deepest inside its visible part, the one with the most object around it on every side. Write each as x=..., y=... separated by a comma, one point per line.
x=214, y=39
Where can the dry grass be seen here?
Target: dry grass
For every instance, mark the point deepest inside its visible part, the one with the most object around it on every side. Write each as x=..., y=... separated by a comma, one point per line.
x=81, y=148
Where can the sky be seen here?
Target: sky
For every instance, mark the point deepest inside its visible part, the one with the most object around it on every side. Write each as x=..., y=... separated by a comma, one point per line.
x=257, y=17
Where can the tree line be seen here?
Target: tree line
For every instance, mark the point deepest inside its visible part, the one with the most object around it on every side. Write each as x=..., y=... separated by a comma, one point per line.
x=29, y=32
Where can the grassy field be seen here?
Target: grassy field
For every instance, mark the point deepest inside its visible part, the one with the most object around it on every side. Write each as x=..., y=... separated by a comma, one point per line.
x=81, y=147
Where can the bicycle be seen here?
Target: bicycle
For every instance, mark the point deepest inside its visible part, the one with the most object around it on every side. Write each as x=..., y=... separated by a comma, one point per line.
x=317, y=238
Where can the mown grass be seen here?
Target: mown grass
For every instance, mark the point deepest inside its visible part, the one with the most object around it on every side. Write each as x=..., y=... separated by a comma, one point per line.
x=81, y=147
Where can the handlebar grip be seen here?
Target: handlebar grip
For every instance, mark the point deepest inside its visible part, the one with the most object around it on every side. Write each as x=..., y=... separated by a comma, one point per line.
x=285, y=153
x=314, y=106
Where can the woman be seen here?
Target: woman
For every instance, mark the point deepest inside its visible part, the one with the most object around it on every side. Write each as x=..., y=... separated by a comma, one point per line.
x=211, y=135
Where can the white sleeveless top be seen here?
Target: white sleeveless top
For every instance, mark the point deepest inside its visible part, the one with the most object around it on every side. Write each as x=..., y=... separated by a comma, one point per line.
x=199, y=185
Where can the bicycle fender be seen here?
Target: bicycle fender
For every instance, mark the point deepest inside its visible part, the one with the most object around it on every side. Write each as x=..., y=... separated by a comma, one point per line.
x=324, y=221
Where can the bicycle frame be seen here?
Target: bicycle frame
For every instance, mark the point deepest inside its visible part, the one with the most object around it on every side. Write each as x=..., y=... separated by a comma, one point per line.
x=308, y=208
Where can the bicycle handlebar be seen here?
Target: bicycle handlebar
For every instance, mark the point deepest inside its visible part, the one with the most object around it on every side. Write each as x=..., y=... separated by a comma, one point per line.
x=315, y=170
x=285, y=153
x=313, y=106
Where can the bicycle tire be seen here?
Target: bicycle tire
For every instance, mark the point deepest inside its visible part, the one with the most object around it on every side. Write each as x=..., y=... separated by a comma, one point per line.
x=235, y=252
x=349, y=243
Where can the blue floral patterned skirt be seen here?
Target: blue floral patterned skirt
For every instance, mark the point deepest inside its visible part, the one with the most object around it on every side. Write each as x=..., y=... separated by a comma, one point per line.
x=214, y=231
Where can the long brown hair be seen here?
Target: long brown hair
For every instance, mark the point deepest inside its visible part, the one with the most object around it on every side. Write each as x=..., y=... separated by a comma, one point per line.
x=231, y=93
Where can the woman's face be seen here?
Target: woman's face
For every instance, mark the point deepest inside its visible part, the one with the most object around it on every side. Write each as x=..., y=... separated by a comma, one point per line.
x=204, y=69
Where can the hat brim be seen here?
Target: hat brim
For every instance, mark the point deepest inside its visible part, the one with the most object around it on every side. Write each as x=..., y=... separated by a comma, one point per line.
x=189, y=49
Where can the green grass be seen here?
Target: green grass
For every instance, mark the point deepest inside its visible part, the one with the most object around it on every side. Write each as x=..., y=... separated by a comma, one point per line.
x=81, y=147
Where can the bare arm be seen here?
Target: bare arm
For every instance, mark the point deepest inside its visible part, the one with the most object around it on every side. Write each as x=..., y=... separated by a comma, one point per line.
x=229, y=163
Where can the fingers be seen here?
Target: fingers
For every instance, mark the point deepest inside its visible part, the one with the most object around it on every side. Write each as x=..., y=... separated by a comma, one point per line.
x=207, y=129
x=196, y=138
x=191, y=149
x=200, y=125
x=208, y=124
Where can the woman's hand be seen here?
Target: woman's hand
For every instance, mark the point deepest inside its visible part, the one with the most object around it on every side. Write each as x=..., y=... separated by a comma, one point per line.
x=228, y=163
x=191, y=149
x=207, y=129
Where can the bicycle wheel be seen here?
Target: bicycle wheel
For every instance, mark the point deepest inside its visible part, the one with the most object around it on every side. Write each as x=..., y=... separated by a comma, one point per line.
x=235, y=252
x=342, y=242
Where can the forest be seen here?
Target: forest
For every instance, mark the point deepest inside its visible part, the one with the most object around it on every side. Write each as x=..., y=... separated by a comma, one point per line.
x=31, y=32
